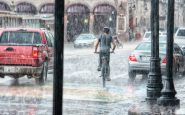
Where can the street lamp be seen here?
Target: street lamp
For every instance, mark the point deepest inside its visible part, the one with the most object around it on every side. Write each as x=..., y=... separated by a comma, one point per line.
x=168, y=92
x=154, y=84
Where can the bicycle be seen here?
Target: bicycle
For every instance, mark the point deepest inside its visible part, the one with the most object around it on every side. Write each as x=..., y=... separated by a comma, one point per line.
x=105, y=69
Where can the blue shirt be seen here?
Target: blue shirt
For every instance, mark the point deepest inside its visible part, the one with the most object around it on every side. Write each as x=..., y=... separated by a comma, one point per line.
x=105, y=42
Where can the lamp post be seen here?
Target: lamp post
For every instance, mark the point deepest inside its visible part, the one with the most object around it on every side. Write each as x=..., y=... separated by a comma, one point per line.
x=168, y=92
x=154, y=84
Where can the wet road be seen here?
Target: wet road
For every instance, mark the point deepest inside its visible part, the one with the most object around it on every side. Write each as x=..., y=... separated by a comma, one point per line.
x=82, y=86
x=24, y=97
x=83, y=92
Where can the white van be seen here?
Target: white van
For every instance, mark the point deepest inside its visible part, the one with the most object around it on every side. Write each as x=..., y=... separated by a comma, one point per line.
x=179, y=37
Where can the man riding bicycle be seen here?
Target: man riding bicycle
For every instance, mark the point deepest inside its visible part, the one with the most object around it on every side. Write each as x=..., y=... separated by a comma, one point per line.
x=105, y=41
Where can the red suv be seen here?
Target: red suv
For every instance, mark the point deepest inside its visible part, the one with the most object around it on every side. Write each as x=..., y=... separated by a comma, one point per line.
x=26, y=51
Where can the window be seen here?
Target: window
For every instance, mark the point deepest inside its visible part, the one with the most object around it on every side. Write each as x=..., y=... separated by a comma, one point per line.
x=20, y=38
x=181, y=32
x=177, y=50
x=49, y=39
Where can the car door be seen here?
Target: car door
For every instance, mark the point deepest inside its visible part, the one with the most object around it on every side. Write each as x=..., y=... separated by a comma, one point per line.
x=179, y=57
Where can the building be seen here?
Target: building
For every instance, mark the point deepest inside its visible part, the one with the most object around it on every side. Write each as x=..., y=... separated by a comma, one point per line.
x=26, y=13
x=122, y=16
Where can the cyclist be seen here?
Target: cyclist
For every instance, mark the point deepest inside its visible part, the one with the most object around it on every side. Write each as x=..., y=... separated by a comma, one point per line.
x=104, y=41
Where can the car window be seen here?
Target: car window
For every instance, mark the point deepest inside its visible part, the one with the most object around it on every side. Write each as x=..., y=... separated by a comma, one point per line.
x=147, y=47
x=48, y=37
x=21, y=37
x=84, y=37
x=147, y=35
x=177, y=50
x=181, y=32
x=144, y=46
x=51, y=38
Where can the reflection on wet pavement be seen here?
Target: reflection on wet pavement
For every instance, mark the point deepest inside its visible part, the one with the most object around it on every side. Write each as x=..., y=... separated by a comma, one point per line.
x=24, y=97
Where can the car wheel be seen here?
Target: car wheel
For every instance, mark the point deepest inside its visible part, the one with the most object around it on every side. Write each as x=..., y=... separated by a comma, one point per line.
x=42, y=78
x=132, y=75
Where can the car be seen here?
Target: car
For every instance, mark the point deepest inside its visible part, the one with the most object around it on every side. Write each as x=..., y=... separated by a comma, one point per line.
x=161, y=38
x=26, y=51
x=147, y=35
x=85, y=40
x=179, y=36
x=139, y=59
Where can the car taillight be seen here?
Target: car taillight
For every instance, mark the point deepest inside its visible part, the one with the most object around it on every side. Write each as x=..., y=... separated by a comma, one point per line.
x=35, y=52
x=132, y=58
x=164, y=60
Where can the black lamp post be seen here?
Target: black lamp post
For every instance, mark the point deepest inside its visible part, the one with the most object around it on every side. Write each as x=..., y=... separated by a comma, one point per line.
x=154, y=84
x=168, y=92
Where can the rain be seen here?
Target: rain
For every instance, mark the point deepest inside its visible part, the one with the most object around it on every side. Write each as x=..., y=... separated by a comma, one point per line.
x=83, y=91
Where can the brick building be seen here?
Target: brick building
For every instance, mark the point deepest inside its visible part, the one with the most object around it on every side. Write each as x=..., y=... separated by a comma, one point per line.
x=88, y=16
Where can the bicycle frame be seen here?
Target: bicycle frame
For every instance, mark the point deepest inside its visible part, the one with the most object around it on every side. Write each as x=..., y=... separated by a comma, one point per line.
x=105, y=70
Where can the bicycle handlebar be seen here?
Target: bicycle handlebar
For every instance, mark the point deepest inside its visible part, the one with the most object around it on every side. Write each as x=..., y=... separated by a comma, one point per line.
x=99, y=52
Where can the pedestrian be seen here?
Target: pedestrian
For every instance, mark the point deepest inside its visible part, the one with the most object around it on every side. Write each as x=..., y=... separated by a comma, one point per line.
x=104, y=41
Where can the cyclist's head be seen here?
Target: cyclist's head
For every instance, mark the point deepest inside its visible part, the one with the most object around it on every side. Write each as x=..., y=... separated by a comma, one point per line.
x=106, y=30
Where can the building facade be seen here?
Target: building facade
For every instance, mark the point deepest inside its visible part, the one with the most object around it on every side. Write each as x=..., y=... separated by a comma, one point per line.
x=89, y=16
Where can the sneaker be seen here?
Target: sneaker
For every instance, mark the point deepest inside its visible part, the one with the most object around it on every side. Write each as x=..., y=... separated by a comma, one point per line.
x=108, y=79
x=99, y=68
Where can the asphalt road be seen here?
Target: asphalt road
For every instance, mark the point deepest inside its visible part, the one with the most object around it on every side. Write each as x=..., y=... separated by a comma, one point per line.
x=83, y=92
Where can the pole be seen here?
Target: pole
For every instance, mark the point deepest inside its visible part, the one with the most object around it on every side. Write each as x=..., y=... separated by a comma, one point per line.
x=154, y=84
x=168, y=92
x=58, y=57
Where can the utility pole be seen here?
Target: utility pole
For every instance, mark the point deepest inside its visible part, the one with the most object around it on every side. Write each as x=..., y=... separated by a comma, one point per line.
x=59, y=57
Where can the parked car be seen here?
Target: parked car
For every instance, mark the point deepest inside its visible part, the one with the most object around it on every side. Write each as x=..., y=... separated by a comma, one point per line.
x=26, y=51
x=147, y=35
x=161, y=38
x=139, y=60
x=179, y=37
x=85, y=40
